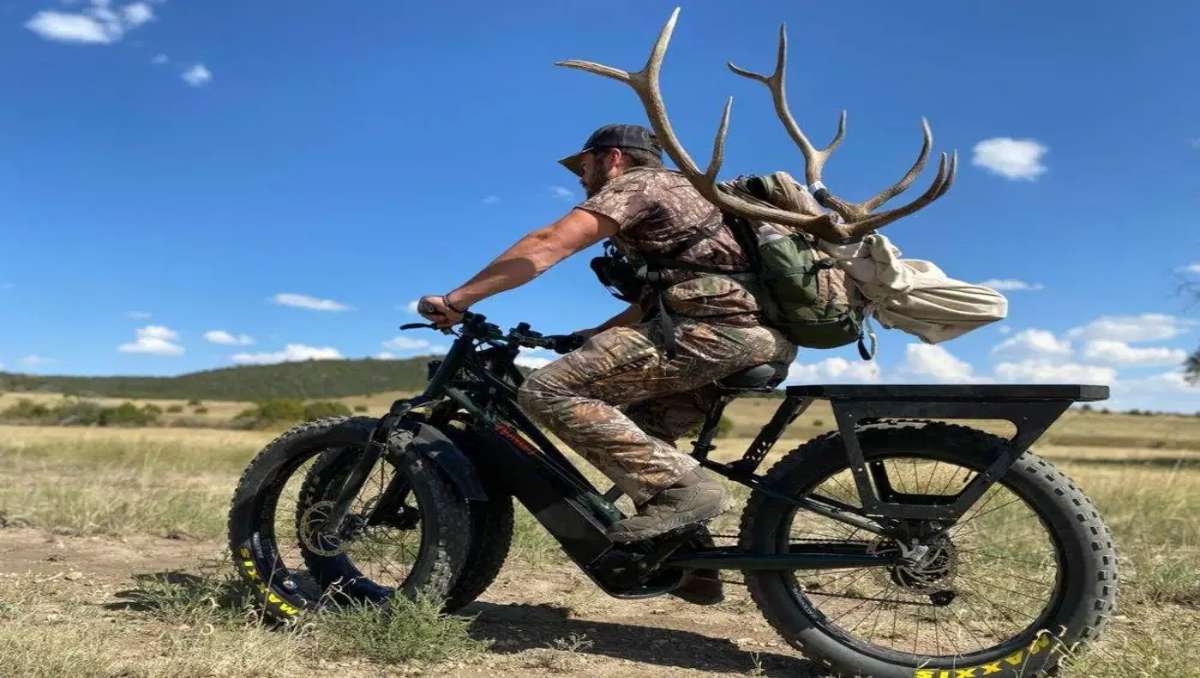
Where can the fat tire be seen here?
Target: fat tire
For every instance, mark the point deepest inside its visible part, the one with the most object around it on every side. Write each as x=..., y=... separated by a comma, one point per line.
x=491, y=528
x=1090, y=559
x=445, y=525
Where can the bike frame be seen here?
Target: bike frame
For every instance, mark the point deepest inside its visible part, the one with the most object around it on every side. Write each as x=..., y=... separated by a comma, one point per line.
x=472, y=399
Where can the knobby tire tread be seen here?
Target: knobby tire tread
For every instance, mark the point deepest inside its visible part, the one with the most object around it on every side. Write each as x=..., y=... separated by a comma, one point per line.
x=451, y=544
x=1097, y=601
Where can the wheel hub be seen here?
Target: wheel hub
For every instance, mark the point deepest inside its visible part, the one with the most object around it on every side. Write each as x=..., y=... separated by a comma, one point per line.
x=923, y=568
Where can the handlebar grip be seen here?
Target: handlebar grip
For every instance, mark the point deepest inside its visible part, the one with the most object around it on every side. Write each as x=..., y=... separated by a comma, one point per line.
x=565, y=343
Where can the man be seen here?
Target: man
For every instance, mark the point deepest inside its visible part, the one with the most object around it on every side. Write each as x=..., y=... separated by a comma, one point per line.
x=638, y=383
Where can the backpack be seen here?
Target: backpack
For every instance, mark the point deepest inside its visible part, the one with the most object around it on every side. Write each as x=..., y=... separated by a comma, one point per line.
x=801, y=289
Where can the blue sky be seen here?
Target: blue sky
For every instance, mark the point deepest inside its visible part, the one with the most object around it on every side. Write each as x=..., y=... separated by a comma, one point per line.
x=169, y=169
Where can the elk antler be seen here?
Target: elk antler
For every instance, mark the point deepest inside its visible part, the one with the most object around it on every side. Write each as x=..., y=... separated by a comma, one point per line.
x=860, y=221
x=858, y=214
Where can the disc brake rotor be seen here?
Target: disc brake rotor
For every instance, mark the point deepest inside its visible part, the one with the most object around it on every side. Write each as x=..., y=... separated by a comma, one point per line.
x=932, y=570
x=312, y=531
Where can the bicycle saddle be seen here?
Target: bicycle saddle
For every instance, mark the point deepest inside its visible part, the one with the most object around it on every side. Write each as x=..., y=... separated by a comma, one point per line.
x=767, y=375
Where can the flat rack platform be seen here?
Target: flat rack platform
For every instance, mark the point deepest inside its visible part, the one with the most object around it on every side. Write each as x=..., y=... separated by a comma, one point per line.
x=951, y=393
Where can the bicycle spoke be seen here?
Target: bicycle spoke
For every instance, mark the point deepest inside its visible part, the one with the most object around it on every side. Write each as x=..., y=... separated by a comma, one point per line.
x=999, y=539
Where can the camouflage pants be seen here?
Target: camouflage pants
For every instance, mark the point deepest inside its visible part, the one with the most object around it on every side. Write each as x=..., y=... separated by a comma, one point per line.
x=621, y=403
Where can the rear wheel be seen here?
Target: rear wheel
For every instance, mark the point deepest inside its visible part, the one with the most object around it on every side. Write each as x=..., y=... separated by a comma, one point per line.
x=1028, y=569
x=277, y=535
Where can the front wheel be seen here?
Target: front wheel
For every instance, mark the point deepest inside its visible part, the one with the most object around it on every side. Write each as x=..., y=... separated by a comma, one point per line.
x=417, y=546
x=1028, y=569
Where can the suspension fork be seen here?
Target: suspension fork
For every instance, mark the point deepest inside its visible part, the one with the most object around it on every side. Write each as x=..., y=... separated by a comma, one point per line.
x=373, y=451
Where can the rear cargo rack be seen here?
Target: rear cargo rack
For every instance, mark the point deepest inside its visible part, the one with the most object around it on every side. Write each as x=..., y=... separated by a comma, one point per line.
x=952, y=393
x=1031, y=408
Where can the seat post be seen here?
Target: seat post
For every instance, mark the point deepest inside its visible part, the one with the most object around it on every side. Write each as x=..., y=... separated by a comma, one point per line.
x=703, y=443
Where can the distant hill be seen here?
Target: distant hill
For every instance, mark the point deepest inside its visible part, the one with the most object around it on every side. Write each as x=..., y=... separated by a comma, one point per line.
x=308, y=379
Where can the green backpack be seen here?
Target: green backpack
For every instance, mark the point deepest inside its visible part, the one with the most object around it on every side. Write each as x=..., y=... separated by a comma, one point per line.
x=800, y=289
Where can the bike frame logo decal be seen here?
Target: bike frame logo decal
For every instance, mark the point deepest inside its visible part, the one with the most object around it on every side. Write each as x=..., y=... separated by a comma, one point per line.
x=505, y=431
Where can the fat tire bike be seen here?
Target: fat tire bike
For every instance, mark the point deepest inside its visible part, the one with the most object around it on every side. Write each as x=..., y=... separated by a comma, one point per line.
x=896, y=545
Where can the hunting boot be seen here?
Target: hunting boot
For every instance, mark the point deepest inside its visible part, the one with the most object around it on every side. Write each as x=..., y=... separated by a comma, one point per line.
x=692, y=499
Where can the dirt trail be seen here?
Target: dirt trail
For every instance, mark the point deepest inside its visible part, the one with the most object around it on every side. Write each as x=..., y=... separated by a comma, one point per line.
x=544, y=621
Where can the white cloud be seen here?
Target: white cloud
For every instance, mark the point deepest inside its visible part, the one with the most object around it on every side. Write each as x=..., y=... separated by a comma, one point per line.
x=154, y=340
x=1038, y=370
x=1120, y=353
x=1163, y=392
x=1004, y=329
x=96, y=24
x=311, y=303
x=385, y=355
x=138, y=315
x=927, y=362
x=411, y=306
x=491, y=199
x=35, y=360
x=535, y=358
x=1035, y=342
x=1190, y=268
x=1144, y=327
x=227, y=339
x=562, y=193
x=160, y=59
x=197, y=76
x=833, y=371
x=77, y=28
x=1011, y=158
x=1011, y=285
x=290, y=353
x=137, y=14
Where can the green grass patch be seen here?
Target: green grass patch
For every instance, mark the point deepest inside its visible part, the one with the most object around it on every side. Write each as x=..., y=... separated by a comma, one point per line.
x=401, y=632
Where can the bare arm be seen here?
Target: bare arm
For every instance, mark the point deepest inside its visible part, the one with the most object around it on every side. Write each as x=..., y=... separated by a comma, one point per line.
x=531, y=256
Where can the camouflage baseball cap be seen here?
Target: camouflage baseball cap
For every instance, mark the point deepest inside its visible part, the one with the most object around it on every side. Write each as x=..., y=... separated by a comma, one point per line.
x=613, y=136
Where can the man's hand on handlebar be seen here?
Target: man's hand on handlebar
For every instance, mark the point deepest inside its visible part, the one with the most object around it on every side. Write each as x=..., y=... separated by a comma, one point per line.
x=565, y=343
x=435, y=308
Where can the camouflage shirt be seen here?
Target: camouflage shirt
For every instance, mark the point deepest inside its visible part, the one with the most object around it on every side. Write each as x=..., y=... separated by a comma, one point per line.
x=657, y=212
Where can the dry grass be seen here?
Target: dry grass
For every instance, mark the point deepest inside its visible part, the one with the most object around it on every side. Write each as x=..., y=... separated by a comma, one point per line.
x=160, y=481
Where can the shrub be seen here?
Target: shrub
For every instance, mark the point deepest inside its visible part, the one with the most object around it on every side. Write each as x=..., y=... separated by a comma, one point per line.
x=818, y=422
x=26, y=411
x=272, y=412
x=200, y=410
x=402, y=632
x=74, y=412
x=128, y=414
x=174, y=409
x=194, y=403
x=78, y=413
x=363, y=408
x=325, y=408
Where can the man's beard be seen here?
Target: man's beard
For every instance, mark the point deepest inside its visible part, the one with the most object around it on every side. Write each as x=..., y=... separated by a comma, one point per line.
x=598, y=181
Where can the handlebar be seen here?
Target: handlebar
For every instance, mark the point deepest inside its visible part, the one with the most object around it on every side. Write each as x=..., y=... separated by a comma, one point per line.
x=475, y=326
